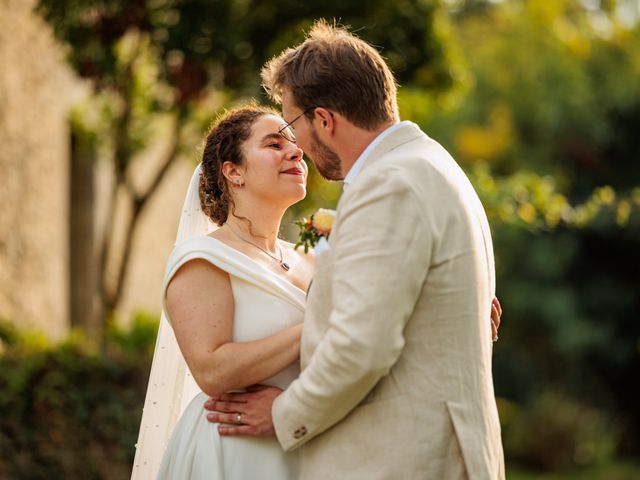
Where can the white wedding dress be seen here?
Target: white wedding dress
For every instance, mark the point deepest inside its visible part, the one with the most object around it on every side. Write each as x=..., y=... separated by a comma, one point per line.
x=264, y=304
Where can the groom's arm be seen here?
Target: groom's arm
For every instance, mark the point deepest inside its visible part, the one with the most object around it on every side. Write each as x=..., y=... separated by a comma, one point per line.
x=382, y=246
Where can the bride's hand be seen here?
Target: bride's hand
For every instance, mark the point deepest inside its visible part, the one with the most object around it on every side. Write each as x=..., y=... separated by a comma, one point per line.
x=496, y=313
x=247, y=413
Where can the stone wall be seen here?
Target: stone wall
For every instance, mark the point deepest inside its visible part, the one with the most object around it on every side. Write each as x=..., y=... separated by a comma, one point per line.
x=37, y=89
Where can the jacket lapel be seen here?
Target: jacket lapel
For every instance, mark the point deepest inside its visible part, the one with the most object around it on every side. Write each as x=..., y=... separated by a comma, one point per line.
x=402, y=135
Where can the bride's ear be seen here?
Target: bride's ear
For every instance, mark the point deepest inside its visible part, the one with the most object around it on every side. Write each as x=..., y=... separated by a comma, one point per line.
x=233, y=173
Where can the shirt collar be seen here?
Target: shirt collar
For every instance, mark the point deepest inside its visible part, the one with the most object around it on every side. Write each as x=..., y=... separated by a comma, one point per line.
x=357, y=166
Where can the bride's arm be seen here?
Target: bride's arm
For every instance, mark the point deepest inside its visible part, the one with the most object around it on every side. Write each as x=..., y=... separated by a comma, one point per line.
x=200, y=305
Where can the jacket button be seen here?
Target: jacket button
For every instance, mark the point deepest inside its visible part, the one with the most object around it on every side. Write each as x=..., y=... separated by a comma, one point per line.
x=300, y=432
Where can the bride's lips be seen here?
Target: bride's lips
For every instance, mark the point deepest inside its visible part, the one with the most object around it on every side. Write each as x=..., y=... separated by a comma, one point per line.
x=294, y=171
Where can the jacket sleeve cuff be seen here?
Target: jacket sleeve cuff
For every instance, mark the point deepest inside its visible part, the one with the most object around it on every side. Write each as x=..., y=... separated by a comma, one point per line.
x=290, y=433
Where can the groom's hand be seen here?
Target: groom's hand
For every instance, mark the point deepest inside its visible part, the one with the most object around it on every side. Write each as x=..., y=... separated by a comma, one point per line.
x=247, y=413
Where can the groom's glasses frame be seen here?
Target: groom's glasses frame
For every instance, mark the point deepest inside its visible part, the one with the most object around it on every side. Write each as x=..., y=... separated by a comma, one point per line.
x=287, y=131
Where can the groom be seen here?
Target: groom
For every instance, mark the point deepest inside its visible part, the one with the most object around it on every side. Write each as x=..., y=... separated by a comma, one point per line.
x=396, y=352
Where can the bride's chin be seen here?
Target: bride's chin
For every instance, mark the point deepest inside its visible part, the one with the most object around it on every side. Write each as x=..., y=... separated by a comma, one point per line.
x=296, y=190
x=297, y=197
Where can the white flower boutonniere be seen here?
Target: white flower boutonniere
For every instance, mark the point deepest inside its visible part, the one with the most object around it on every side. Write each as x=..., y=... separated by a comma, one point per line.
x=319, y=225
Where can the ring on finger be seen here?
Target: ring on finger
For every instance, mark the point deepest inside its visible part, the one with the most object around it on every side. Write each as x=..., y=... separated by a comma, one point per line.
x=238, y=418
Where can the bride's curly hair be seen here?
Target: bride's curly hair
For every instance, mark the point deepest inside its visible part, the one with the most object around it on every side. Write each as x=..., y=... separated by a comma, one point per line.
x=224, y=143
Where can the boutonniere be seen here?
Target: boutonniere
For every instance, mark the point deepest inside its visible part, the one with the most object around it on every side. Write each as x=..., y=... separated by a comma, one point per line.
x=311, y=229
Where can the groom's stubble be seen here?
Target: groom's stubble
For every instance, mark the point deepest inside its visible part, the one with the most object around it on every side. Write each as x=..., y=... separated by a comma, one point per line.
x=326, y=160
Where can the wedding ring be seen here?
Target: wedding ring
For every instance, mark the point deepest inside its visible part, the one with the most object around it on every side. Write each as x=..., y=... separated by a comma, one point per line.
x=238, y=418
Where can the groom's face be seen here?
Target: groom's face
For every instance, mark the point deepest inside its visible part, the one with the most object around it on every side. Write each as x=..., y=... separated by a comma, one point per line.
x=323, y=157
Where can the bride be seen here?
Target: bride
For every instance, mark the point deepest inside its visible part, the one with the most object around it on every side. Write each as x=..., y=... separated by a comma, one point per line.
x=234, y=298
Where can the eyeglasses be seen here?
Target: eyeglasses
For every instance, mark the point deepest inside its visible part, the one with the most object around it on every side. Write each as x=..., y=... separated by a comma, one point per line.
x=287, y=130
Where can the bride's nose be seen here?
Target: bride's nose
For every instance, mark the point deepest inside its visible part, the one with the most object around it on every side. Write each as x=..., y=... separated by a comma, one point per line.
x=296, y=153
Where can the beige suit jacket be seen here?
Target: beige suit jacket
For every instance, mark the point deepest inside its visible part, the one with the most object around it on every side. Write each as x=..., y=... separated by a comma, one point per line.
x=396, y=349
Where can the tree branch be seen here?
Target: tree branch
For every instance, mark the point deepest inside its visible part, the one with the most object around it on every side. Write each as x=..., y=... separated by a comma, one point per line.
x=172, y=155
x=139, y=202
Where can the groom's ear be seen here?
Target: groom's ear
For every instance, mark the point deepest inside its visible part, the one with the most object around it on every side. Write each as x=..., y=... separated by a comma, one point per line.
x=326, y=119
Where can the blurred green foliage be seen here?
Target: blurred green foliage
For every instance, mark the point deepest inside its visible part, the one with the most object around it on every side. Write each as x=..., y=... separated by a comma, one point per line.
x=67, y=411
x=556, y=433
x=611, y=471
x=223, y=43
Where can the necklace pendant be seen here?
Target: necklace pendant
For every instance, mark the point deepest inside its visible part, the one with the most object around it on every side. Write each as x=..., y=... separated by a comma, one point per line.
x=285, y=266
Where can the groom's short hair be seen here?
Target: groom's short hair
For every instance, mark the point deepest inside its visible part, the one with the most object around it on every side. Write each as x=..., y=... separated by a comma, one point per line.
x=335, y=69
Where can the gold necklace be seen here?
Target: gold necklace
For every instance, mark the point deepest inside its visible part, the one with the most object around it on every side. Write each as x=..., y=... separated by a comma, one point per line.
x=285, y=266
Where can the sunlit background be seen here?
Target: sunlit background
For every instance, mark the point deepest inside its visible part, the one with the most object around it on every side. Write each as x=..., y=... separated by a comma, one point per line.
x=103, y=107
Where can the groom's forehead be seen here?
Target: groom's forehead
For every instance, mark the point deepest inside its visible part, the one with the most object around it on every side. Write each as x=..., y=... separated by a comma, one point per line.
x=288, y=105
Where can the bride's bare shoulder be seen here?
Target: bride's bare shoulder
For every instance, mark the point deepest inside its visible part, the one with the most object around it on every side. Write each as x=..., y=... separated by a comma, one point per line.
x=218, y=234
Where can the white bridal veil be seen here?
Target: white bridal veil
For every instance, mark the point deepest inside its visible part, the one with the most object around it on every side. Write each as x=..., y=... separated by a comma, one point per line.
x=171, y=386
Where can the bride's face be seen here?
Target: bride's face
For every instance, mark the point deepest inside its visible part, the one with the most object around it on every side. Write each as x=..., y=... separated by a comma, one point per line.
x=273, y=170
